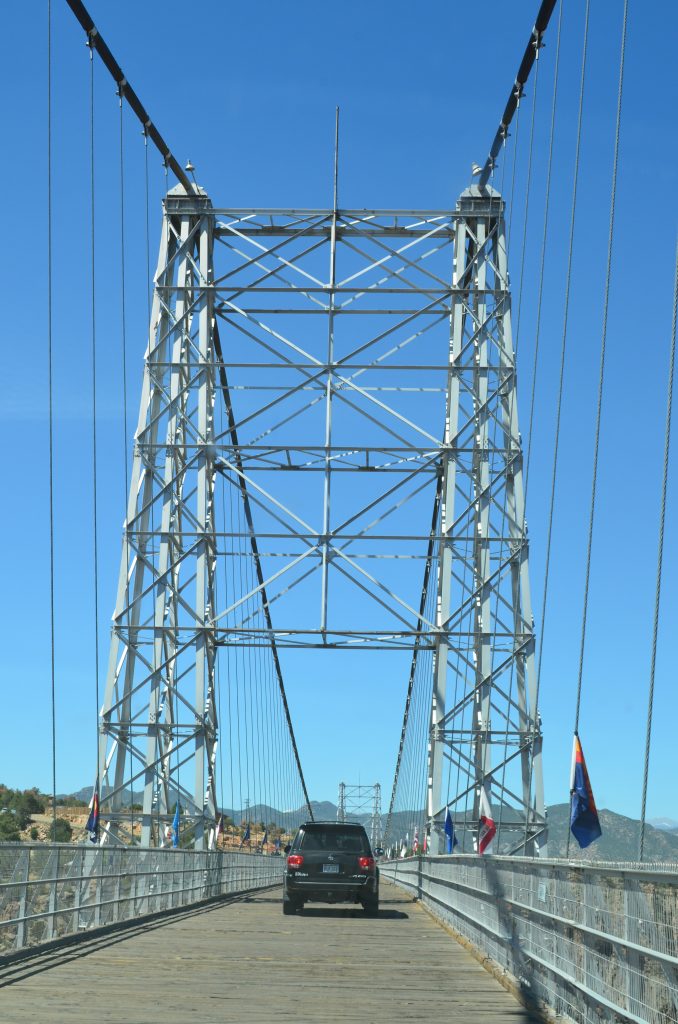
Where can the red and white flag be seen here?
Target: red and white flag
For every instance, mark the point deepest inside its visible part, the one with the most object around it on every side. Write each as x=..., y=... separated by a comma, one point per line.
x=486, y=827
x=415, y=844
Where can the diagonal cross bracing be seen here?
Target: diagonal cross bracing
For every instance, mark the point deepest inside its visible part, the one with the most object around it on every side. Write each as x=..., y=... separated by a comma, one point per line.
x=334, y=433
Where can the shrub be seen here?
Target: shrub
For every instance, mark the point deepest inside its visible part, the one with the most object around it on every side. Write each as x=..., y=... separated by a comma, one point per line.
x=60, y=831
x=9, y=828
x=34, y=833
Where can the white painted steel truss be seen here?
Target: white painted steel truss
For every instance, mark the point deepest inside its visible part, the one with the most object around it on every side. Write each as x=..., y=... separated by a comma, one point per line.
x=362, y=803
x=319, y=366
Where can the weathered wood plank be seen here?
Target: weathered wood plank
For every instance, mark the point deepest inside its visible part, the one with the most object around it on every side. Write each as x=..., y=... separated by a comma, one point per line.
x=246, y=962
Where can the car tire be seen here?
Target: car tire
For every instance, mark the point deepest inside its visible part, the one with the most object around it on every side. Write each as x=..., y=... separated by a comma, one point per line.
x=371, y=906
x=290, y=906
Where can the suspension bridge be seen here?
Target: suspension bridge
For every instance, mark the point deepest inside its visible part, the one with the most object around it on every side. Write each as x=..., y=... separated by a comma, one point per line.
x=327, y=455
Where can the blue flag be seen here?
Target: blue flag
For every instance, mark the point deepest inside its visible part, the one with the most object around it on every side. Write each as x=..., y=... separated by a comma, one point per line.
x=246, y=835
x=450, y=839
x=175, y=826
x=265, y=839
x=584, y=823
x=92, y=825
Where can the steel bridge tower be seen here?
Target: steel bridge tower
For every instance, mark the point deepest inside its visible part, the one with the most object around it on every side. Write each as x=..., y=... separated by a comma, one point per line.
x=484, y=718
x=362, y=803
x=340, y=373
x=159, y=721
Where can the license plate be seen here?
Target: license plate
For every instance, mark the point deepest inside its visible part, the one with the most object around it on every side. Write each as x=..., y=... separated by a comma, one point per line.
x=330, y=869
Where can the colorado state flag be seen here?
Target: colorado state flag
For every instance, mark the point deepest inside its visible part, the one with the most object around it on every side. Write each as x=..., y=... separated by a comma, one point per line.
x=584, y=823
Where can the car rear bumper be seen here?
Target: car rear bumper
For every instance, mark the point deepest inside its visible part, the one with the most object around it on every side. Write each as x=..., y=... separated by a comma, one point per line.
x=324, y=891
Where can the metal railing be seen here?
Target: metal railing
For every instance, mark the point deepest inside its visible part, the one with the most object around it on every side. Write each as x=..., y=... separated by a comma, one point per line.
x=48, y=892
x=592, y=942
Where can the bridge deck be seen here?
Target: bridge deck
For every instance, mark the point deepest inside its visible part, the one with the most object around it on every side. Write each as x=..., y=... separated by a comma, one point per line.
x=244, y=961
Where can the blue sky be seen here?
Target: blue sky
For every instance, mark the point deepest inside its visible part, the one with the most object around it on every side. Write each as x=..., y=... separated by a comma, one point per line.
x=249, y=95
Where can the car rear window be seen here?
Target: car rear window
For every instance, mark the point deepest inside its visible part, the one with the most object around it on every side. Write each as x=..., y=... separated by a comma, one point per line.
x=344, y=840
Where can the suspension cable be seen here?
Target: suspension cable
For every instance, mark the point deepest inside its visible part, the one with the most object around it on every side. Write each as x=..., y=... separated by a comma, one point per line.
x=96, y=42
x=94, y=412
x=660, y=557
x=563, y=351
x=601, y=377
x=417, y=644
x=542, y=260
x=529, y=56
x=527, y=200
x=50, y=388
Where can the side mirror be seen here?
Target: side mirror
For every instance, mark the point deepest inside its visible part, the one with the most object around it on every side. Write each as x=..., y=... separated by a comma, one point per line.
x=379, y=851
x=287, y=848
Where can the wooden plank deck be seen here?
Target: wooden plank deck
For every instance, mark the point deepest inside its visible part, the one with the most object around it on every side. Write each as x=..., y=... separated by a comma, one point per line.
x=243, y=961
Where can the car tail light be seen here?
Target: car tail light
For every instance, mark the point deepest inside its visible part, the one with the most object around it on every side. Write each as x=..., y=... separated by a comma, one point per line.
x=366, y=863
x=295, y=860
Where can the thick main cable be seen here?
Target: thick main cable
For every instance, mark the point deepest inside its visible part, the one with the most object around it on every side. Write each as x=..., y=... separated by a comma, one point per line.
x=95, y=41
x=529, y=57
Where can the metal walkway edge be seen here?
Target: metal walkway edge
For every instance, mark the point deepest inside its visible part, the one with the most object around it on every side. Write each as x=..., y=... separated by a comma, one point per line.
x=246, y=962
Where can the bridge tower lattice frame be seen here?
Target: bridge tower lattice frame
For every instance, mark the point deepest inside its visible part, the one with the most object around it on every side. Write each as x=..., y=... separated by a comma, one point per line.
x=483, y=586
x=360, y=802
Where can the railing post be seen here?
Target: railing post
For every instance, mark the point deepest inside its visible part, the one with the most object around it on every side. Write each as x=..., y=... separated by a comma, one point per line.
x=25, y=856
x=53, y=866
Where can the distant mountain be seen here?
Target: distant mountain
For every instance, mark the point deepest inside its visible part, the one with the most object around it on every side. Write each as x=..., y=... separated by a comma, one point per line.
x=619, y=840
x=665, y=824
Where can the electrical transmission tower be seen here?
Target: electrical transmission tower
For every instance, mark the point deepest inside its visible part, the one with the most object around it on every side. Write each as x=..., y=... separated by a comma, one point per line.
x=362, y=803
x=485, y=731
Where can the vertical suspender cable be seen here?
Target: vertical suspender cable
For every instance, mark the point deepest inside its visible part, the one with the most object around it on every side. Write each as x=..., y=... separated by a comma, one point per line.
x=50, y=403
x=123, y=346
x=563, y=350
x=148, y=232
x=601, y=380
x=660, y=556
x=601, y=377
x=535, y=364
x=94, y=413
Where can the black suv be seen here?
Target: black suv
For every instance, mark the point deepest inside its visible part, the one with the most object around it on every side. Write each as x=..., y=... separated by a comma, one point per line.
x=330, y=862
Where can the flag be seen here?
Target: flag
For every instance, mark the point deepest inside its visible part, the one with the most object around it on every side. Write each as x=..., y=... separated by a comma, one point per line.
x=486, y=825
x=264, y=840
x=175, y=826
x=276, y=842
x=584, y=823
x=403, y=850
x=415, y=842
x=246, y=836
x=425, y=842
x=450, y=839
x=220, y=826
x=92, y=825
